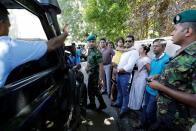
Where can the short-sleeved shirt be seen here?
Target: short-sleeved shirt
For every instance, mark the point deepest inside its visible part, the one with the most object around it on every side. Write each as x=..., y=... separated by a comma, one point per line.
x=93, y=59
x=16, y=52
x=180, y=74
x=156, y=67
x=116, y=57
x=107, y=54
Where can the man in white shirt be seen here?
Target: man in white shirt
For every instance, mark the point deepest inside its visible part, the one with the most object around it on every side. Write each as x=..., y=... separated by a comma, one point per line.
x=16, y=52
x=124, y=69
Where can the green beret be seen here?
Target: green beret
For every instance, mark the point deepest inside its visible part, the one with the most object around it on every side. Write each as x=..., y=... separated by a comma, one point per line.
x=185, y=16
x=91, y=37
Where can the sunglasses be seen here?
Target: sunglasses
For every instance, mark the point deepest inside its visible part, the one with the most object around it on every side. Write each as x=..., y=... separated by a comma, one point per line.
x=129, y=41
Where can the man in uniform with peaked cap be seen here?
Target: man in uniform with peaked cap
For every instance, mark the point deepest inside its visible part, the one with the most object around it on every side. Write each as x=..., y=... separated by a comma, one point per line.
x=177, y=101
x=95, y=71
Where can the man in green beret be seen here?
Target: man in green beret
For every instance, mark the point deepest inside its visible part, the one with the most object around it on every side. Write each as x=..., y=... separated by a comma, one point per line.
x=95, y=71
x=177, y=87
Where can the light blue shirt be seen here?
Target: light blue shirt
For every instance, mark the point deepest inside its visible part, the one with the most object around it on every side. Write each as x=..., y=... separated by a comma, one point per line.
x=16, y=52
x=156, y=67
x=77, y=56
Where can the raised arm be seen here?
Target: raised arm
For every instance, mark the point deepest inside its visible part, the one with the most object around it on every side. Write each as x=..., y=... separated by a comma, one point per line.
x=124, y=49
x=58, y=41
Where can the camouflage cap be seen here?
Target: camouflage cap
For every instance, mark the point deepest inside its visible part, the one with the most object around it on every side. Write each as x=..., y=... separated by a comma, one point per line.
x=91, y=37
x=185, y=16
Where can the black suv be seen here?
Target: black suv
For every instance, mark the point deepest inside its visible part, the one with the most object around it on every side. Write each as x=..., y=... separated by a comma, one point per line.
x=42, y=94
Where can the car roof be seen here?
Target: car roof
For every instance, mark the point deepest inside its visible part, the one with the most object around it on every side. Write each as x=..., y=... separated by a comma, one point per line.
x=10, y=4
x=46, y=4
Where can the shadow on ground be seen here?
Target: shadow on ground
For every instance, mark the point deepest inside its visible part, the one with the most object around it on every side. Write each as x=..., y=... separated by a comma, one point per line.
x=95, y=120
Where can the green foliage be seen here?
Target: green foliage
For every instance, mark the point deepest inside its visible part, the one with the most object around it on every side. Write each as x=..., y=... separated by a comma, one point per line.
x=72, y=15
x=108, y=16
x=114, y=18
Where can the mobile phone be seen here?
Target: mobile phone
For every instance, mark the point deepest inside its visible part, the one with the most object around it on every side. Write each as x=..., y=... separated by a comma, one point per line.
x=148, y=80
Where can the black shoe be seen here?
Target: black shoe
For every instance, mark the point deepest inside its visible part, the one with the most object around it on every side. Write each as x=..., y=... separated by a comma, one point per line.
x=137, y=124
x=91, y=106
x=101, y=107
x=123, y=114
x=141, y=126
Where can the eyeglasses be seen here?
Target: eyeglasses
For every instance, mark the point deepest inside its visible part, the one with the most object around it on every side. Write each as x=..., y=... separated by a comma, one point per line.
x=128, y=41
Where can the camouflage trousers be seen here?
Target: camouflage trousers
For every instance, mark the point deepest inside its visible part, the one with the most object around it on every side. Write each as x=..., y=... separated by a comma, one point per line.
x=175, y=118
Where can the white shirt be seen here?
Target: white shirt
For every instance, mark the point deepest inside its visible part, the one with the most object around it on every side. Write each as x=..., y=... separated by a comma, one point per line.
x=16, y=52
x=128, y=60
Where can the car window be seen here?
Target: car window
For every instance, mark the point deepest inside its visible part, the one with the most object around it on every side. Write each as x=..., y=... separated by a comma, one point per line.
x=25, y=25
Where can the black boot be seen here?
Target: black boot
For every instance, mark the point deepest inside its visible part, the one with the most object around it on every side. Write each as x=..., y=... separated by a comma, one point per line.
x=91, y=106
x=102, y=106
x=102, y=103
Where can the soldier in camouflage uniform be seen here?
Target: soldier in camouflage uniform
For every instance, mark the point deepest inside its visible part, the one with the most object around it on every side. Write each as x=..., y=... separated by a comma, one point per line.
x=95, y=70
x=177, y=101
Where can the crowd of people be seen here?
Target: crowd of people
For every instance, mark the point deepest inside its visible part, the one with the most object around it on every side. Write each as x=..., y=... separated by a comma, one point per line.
x=163, y=89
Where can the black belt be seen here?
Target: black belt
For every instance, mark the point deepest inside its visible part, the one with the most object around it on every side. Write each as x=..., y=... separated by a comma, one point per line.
x=124, y=73
x=106, y=64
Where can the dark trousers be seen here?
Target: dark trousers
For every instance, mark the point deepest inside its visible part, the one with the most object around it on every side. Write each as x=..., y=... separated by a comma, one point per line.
x=93, y=89
x=149, y=110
